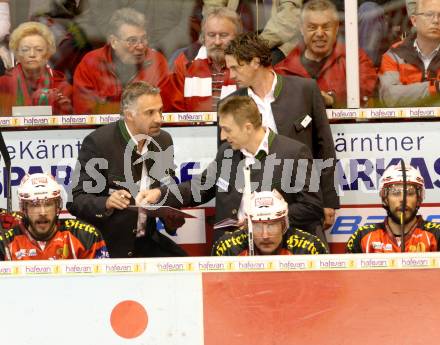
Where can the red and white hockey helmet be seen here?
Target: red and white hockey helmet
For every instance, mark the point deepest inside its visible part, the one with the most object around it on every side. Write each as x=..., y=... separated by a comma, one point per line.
x=394, y=175
x=268, y=207
x=38, y=187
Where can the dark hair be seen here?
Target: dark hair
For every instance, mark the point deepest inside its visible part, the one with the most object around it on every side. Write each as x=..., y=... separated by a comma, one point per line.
x=135, y=90
x=247, y=46
x=242, y=108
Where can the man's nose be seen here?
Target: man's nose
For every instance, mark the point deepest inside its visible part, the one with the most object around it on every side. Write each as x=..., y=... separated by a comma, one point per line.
x=158, y=117
x=139, y=47
x=42, y=209
x=222, y=135
x=265, y=232
x=218, y=40
x=319, y=31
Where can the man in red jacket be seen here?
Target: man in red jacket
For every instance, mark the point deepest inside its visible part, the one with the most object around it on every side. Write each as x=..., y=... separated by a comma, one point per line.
x=410, y=70
x=103, y=73
x=200, y=77
x=322, y=58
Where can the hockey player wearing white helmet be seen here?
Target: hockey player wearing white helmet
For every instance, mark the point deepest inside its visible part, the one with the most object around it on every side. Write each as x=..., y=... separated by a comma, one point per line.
x=40, y=202
x=41, y=235
x=268, y=214
x=391, y=191
x=402, y=218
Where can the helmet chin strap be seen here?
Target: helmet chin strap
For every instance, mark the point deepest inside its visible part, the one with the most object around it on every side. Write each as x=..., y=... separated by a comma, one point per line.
x=402, y=211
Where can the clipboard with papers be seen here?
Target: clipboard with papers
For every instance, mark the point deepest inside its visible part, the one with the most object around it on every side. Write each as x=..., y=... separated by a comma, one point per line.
x=162, y=211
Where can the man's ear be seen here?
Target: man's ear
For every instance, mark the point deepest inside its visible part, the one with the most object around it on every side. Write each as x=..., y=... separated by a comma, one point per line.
x=112, y=40
x=255, y=62
x=413, y=21
x=248, y=127
x=128, y=114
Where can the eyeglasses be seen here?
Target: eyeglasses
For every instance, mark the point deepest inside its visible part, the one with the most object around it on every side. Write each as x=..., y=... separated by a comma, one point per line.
x=272, y=228
x=429, y=15
x=134, y=41
x=398, y=191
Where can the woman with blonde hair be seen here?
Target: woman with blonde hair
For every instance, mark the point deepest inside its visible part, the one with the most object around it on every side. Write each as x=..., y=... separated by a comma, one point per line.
x=32, y=81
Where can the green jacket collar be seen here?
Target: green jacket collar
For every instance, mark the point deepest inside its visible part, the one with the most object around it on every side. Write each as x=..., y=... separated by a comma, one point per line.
x=278, y=86
x=261, y=154
x=123, y=131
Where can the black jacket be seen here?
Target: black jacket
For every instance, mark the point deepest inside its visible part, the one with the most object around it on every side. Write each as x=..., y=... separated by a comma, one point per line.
x=92, y=185
x=295, y=99
x=224, y=180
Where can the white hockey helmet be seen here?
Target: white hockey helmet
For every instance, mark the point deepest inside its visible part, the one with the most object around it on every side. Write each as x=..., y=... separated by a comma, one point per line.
x=268, y=207
x=394, y=175
x=38, y=187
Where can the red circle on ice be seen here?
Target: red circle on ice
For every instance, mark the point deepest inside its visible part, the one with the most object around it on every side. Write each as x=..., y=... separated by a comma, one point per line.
x=129, y=319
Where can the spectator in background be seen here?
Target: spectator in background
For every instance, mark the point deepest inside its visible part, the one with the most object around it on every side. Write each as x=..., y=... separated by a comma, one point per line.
x=41, y=235
x=411, y=7
x=71, y=42
x=398, y=16
x=383, y=23
x=32, y=81
x=282, y=28
x=103, y=73
x=5, y=20
x=200, y=77
x=167, y=21
x=6, y=58
x=410, y=69
x=272, y=234
x=322, y=57
x=386, y=237
x=373, y=30
x=290, y=106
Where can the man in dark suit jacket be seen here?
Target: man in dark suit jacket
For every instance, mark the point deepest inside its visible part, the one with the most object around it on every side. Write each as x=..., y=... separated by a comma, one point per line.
x=274, y=162
x=291, y=106
x=105, y=178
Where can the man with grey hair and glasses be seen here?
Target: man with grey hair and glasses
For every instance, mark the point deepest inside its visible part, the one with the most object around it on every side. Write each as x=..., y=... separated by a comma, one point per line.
x=410, y=69
x=103, y=73
x=114, y=162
